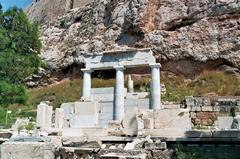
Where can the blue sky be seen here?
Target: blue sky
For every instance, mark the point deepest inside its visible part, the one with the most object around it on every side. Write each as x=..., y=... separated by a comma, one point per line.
x=10, y=3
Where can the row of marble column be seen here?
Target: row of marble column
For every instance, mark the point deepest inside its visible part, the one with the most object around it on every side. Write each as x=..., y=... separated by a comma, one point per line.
x=119, y=89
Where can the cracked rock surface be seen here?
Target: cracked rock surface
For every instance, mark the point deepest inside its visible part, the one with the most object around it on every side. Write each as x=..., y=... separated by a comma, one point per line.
x=186, y=36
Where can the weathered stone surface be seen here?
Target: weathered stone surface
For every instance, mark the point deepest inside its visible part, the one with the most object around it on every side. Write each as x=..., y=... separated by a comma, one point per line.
x=236, y=123
x=56, y=140
x=172, y=118
x=129, y=122
x=165, y=133
x=29, y=139
x=72, y=141
x=189, y=101
x=26, y=150
x=68, y=109
x=225, y=122
x=207, y=108
x=158, y=145
x=137, y=95
x=145, y=119
x=59, y=118
x=44, y=115
x=85, y=114
x=203, y=118
x=126, y=58
x=138, y=143
x=115, y=128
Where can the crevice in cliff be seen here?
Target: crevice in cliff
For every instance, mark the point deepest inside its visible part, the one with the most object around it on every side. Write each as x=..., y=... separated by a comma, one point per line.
x=108, y=12
x=71, y=71
x=130, y=36
x=71, y=4
x=183, y=23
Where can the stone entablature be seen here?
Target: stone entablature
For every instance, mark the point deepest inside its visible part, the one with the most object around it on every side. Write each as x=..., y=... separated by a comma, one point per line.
x=126, y=58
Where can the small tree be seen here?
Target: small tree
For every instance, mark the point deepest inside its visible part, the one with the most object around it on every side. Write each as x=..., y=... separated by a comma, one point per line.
x=19, y=49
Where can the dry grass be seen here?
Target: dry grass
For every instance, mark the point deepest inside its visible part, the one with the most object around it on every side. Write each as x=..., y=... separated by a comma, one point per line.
x=207, y=83
x=66, y=91
x=178, y=87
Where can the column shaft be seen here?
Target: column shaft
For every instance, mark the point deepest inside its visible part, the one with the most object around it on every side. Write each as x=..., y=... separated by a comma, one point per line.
x=119, y=94
x=155, y=87
x=130, y=84
x=86, y=91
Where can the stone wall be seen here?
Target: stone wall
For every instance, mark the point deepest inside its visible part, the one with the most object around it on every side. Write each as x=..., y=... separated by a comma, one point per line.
x=204, y=111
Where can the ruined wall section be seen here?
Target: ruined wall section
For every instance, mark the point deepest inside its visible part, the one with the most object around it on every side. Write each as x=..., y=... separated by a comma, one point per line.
x=204, y=111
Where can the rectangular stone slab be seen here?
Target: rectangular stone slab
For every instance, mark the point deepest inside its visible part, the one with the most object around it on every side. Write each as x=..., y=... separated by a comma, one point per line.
x=225, y=122
x=27, y=150
x=127, y=58
x=41, y=115
x=68, y=109
x=85, y=114
x=106, y=90
x=172, y=118
x=140, y=103
x=85, y=132
x=85, y=108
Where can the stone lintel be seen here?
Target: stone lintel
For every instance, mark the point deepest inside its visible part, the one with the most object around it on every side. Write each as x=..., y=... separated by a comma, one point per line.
x=128, y=59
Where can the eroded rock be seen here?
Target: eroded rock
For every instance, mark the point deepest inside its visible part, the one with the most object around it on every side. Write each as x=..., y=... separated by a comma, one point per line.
x=186, y=37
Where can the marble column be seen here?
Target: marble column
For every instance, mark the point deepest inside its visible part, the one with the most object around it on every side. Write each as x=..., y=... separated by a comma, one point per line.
x=86, y=91
x=130, y=84
x=119, y=94
x=155, y=86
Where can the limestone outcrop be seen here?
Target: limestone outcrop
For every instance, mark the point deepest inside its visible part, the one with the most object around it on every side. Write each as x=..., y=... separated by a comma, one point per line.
x=186, y=36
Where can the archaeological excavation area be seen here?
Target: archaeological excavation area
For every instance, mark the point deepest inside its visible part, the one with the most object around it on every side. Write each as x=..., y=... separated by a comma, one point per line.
x=119, y=122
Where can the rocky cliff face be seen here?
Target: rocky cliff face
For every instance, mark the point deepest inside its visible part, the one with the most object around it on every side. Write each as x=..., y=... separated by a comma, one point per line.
x=186, y=36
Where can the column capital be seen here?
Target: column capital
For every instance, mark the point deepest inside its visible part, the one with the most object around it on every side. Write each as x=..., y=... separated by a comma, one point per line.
x=121, y=68
x=155, y=65
x=86, y=70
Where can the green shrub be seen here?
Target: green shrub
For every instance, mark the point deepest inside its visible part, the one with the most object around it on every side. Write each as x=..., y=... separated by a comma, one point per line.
x=12, y=93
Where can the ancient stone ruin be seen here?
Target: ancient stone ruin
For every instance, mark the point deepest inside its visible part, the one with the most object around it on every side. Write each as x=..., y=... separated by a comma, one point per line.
x=117, y=122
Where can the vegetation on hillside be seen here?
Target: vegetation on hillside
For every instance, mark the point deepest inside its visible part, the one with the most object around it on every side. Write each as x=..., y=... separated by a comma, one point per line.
x=207, y=83
x=66, y=91
x=19, y=49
